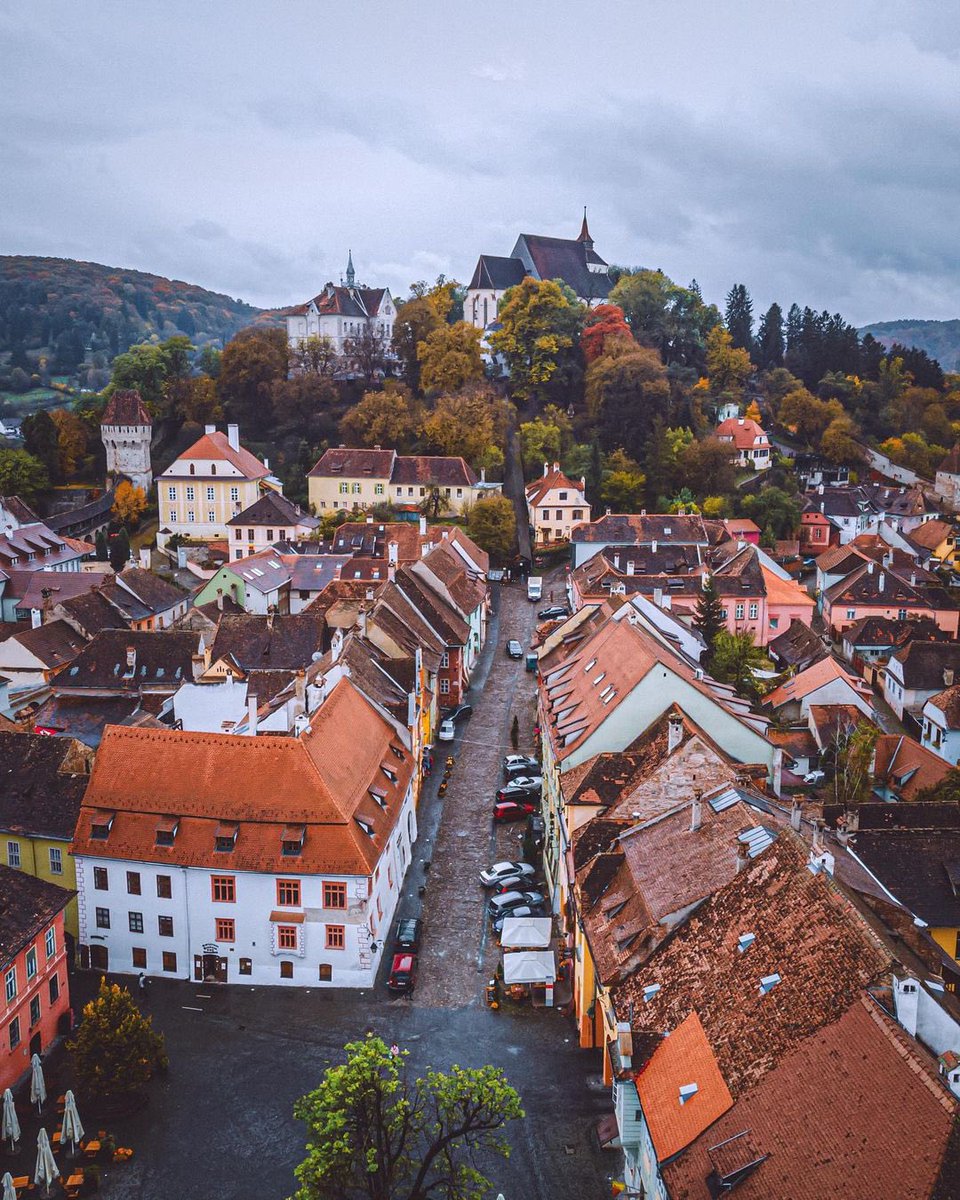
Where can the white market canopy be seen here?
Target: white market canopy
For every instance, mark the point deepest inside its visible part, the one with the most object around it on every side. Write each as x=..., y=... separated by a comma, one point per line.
x=526, y=932
x=529, y=966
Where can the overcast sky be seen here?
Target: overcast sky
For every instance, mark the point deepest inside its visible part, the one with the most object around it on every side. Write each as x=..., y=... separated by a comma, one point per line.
x=811, y=151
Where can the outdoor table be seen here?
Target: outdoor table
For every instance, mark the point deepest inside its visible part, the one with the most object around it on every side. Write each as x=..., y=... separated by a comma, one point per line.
x=22, y=1183
x=92, y=1148
x=74, y=1184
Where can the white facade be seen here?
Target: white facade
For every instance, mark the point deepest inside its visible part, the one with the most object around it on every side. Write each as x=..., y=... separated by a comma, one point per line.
x=939, y=736
x=182, y=934
x=128, y=453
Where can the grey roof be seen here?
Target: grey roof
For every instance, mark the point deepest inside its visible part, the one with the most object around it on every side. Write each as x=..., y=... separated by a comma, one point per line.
x=497, y=273
x=274, y=510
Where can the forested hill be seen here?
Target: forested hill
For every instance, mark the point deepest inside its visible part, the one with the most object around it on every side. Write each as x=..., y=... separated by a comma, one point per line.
x=68, y=311
x=940, y=339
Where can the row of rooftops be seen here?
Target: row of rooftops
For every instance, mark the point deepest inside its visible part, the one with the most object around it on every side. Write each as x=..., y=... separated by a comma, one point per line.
x=425, y=469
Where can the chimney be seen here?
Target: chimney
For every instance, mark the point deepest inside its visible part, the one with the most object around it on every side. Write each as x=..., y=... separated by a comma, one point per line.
x=144, y=556
x=674, y=733
x=556, y=467
x=609, y=510
x=251, y=716
x=821, y=502
x=36, y=618
x=653, y=546
x=880, y=582
x=818, y=845
x=220, y=599
x=913, y=579
x=616, y=562
x=870, y=566
x=583, y=483
x=131, y=659
x=369, y=520
x=233, y=436
x=209, y=429
x=301, y=687
x=423, y=526
x=362, y=622
x=376, y=445
x=948, y=677
x=631, y=567
x=820, y=490
x=743, y=856
x=795, y=811
x=658, y=597
x=545, y=470
x=696, y=811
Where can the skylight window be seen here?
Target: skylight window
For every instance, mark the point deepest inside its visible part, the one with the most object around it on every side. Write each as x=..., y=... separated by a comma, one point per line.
x=590, y=665
x=688, y=1091
x=651, y=990
x=365, y=826
x=745, y=941
x=600, y=678
x=768, y=983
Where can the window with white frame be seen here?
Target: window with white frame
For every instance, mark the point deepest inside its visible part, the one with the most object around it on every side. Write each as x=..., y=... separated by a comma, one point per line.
x=444, y=687
x=234, y=493
x=50, y=942
x=211, y=493
x=56, y=860
x=171, y=493
x=31, y=961
x=754, y=610
x=10, y=984
x=13, y=854
x=173, y=514
x=189, y=493
x=738, y=613
x=191, y=516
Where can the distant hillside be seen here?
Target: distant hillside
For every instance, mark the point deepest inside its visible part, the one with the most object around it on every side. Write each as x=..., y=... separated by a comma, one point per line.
x=72, y=312
x=940, y=339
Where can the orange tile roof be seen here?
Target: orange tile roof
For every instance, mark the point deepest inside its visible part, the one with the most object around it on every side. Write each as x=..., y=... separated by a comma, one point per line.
x=554, y=478
x=683, y=1058
x=808, y=681
x=742, y=431
x=785, y=591
x=321, y=780
x=215, y=446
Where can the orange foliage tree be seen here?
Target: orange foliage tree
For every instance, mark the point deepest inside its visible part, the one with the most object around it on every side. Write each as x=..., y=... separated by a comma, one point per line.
x=603, y=323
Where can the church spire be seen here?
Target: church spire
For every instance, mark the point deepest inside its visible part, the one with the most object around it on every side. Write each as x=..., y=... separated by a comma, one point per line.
x=351, y=274
x=585, y=232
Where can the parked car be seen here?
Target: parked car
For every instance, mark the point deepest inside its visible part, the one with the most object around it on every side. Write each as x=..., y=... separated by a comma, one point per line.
x=407, y=936
x=514, y=810
x=522, y=910
x=554, y=612
x=447, y=731
x=520, y=764
x=500, y=870
x=403, y=973
x=498, y=905
x=458, y=714
x=524, y=788
x=814, y=777
x=514, y=649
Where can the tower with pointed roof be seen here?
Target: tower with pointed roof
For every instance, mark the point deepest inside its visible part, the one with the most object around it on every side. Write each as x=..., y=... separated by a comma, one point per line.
x=126, y=430
x=585, y=237
x=351, y=274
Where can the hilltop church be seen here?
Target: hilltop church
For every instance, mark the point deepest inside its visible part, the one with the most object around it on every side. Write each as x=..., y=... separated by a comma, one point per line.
x=574, y=261
x=341, y=313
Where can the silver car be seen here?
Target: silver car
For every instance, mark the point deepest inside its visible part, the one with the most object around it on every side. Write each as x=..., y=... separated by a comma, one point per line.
x=506, y=870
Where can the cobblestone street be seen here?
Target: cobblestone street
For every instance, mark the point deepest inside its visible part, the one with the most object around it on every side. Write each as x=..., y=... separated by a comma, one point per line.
x=458, y=954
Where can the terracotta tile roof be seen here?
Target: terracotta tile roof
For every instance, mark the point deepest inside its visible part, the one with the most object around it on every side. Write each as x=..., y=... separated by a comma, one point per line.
x=603, y=779
x=554, y=478
x=745, y=433
x=342, y=461
x=633, y=530
x=125, y=407
x=282, y=642
x=432, y=471
x=683, y=1059
x=806, y=682
x=804, y=929
x=322, y=780
x=449, y=569
x=855, y=1111
x=216, y=447
x=162, y=661
x=906, y=767
x=785, y=591
x=948, y=702
x=42, y=781
x=898, y=501
x=889, y=634
x=56, y=586
x=827, y=720
x=930, y=535
x=885, y=587
x=27, y=906
x=434, y=608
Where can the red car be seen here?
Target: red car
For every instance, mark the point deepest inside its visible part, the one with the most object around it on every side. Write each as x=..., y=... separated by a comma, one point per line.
x=514, y=810
x=403, y=973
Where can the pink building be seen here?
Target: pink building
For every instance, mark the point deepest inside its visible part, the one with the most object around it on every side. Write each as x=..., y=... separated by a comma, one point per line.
x=33, y=962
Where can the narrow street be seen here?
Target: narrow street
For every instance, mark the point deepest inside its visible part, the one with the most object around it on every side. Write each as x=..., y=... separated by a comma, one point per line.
x=458, y=955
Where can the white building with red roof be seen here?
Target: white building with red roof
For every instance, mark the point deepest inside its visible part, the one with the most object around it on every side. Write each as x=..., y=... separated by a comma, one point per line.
x=555, y=503
x=258, y=860
x=343, y=312
x=208, y=484
x=749, y=441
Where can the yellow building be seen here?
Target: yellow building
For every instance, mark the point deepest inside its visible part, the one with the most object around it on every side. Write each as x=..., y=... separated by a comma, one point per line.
x=346, y=478
x=42, y=782
x=935, y=540
x=209, y=483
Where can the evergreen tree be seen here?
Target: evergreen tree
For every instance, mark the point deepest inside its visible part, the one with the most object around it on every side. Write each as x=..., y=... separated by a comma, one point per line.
x=708, y=619
x=658, y=464
x=101, y=544
x=768, y=349
x=739, y=317
x=116, y=1050
x=42, y=439
x=120, y=549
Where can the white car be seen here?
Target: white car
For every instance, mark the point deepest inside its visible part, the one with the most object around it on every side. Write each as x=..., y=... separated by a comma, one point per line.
x=506, y=870
x=447, y=732
x=814, y=777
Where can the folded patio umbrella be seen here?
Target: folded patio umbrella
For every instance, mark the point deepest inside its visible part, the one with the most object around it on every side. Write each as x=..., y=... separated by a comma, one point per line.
x=9, y=1191
x=72, y=1129
x=11, y=1126
x=47, y=1169
x=38, y=1088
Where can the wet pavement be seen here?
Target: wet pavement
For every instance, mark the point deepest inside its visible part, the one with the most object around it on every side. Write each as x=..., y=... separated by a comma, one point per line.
x=220, y=1122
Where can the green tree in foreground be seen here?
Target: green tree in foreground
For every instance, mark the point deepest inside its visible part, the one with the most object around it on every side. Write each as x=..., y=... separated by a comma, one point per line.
x=22, y=474
x=116, y=1050
x=119, y=549
x=374, y=1133
x=735, y=657
x=492, y=524
x=708, y=618
x=849, y=759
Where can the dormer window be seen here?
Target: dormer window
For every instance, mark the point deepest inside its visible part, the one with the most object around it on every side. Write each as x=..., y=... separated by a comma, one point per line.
x=225, y=837
x=166, y=831
x=101, y=825
x=365, y=826
x=379, y=797
x=292, y=840
x=397, y=751
x=390, y=774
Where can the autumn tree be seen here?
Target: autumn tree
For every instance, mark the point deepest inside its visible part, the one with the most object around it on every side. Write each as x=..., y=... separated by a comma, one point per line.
x=416, y=319
x=315, y=356
x=603, y=323
x=116, y=1050
x=366, y=353
x=806, y=416
x=466, y=423
x=386, y=418
x=626, y=391
x=22, y=474
x=839, y=443
x=449, y=358
x=624, y=485
x=375, y=1133
x=251, y=363
x=728, y=366
x=539, y=329
x=129, y=504
x=492, y=523
x=849, y=761
x=71, y=441
x=707, y=468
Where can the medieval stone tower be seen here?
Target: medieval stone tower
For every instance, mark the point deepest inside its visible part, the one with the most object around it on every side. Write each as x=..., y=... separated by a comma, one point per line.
x=125, y=430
